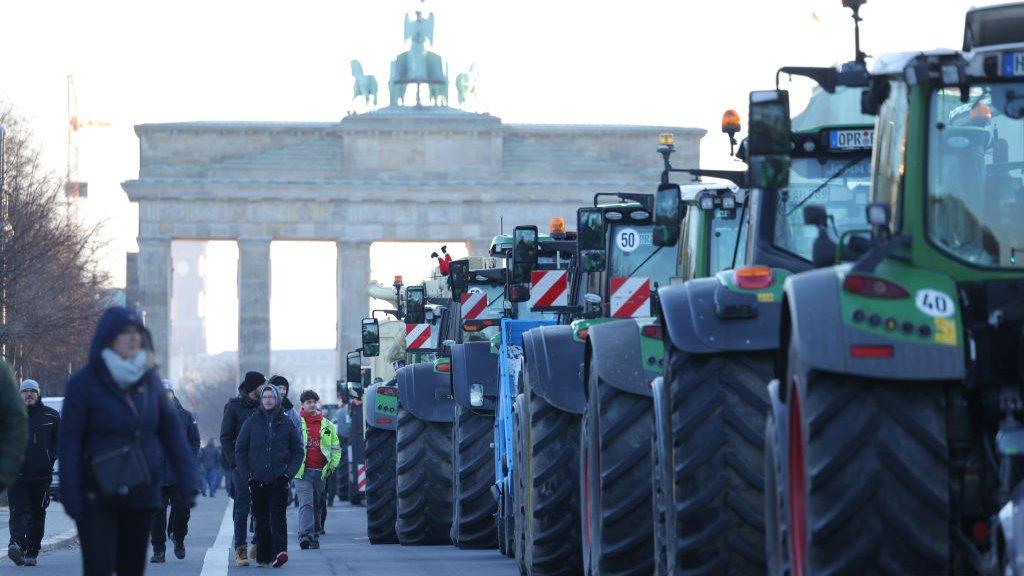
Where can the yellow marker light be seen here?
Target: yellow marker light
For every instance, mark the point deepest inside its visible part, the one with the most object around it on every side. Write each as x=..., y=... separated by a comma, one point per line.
x=557, y=225
x=667, y=139
x=730, y=122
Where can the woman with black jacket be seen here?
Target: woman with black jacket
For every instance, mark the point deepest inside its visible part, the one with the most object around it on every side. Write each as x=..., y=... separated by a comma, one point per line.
x=115, y=410
x=268, y=454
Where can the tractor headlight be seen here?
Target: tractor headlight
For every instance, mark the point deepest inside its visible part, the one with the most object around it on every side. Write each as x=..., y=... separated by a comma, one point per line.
x=476, y=395
x=728, y=201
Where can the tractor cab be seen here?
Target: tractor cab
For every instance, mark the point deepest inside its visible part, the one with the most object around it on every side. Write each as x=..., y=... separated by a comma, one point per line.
x=934, y=294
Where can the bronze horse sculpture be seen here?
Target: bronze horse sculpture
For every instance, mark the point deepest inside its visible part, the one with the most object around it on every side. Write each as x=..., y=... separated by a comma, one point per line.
x=365, y=85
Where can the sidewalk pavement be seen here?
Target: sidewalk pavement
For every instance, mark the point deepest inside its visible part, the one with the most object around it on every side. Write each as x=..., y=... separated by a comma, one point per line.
x=60, y=530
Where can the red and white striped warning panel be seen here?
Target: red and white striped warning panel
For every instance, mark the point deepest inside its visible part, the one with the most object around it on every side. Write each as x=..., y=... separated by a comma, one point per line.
x=361, y=477
x=631, y=297
x=417, y=336
x=473, y=305
x=549, y=288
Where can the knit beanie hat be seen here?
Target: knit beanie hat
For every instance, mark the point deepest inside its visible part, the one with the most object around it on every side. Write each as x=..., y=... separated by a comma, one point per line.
x=252, y=381
x=278, y=380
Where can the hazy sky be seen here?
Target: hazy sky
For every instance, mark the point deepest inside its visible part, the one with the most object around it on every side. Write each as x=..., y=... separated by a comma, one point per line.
x=667, y=62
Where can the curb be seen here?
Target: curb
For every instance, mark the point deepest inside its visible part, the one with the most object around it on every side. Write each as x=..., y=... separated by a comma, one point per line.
x=63, y=540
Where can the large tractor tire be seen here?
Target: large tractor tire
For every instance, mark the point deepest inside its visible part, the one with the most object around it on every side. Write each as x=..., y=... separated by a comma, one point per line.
x=473, y=476
x=503, y=545
x=342, y=472
x=519, y=500
x=867, y=482
x=618, y=535
x=719, y=406
x=776, y=534
x=661, y=483
x=551, y=472
x=424, y=469
x=381, y=486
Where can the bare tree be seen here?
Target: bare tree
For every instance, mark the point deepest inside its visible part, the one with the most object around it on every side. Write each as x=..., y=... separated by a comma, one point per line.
x=205, y=392
x=51, y=286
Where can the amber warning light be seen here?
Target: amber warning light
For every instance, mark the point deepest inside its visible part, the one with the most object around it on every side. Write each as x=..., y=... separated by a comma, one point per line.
x=730, y=122
x=557, y=225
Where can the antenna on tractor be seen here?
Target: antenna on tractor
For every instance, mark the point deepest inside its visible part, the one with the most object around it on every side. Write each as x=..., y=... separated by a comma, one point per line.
x=858, y=56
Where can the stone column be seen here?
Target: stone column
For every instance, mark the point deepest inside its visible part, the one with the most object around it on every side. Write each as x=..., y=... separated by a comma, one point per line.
x=353, y=298
x=155, y=293
x=254, y=305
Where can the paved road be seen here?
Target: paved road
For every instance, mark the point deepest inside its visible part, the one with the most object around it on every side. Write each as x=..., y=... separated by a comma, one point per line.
x=344, y=550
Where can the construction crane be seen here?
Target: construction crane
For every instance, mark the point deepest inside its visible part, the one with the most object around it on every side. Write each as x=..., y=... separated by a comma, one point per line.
x=73, y=187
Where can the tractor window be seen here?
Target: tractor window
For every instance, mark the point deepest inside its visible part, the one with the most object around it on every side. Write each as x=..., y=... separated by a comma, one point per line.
x=890, y=150
x=841, y=183
x=632, y=252
x=975, y=202
x=726, y=226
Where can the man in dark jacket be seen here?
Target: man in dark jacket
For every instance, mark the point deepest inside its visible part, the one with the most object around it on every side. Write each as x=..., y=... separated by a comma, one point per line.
x=177, y=525
x=13, y=427
x=268, y=454
x=117, y=401
x=29, y=495
x=236, y=412
x=209, y=460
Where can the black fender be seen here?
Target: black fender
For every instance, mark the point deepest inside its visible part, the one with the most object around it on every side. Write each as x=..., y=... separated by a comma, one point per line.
x=613, y=352
x=425, y=393
x=553, y=360
x=473, y=363
x=691, y=314
x=815, y=327
x=384, y=418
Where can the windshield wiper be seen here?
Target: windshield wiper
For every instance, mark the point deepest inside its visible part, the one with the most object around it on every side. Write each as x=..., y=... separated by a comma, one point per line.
x=822, y=186
x=646, y=260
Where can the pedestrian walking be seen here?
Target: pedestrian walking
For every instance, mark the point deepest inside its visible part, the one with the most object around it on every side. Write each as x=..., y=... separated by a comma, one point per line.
x=286, y=405
x=13, y=427
x=171, y=496
x=116, y=422
x=209, y=459
x=320, y=444
x=236, y=412
x=29, y=495
x=268, y=454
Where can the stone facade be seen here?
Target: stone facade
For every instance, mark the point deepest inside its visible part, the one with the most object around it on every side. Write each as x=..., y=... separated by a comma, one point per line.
x=397, y=174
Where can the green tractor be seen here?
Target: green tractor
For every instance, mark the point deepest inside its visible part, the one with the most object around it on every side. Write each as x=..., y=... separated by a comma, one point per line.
x=422, y=419
x=622, y=358
x=896, y=415
x=722, y=334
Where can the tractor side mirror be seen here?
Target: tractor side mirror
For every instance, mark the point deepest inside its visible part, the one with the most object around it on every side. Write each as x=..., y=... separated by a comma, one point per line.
x=668, y=215
x=524, y=253
x=414, y=305
x=519, y=293
x=458, y=277
x=371, y=337
x=769, y=140
x=590, y=239
x=353, y=367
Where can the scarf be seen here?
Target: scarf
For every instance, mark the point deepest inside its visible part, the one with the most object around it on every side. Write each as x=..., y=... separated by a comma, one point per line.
x=126, y=373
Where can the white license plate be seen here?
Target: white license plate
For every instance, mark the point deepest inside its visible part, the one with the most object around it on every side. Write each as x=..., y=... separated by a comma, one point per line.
x=1013, y=64
x=851, y=139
